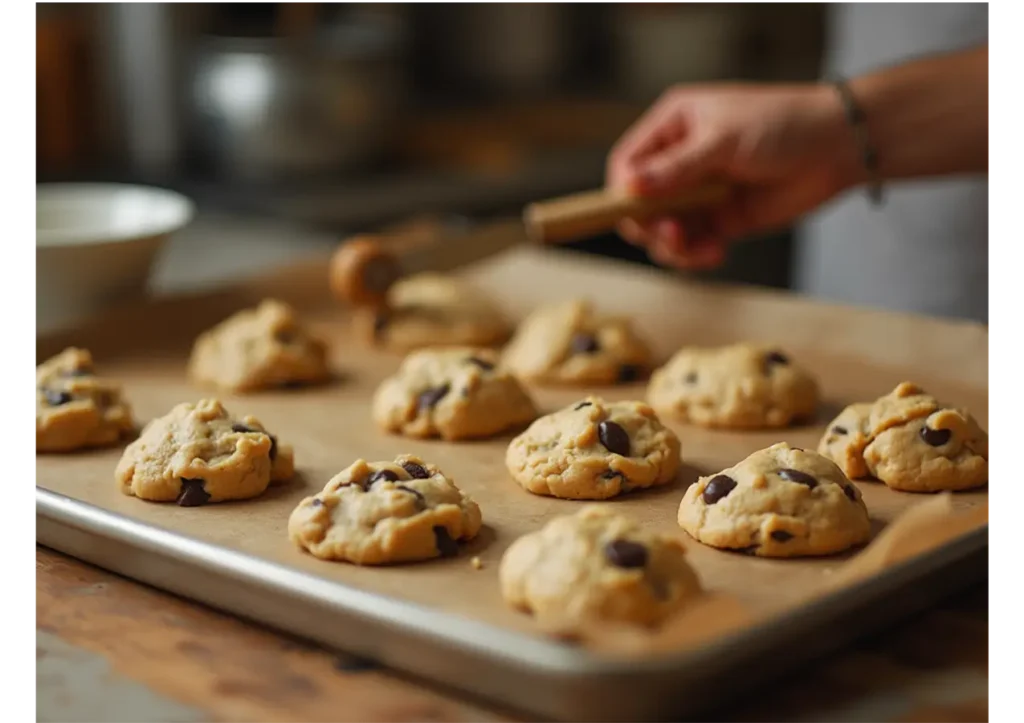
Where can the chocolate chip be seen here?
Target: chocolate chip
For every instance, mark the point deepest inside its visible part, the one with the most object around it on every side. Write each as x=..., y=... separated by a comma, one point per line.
x=242, y=429
x=623, y=553
x=292, y=384
x=718, y=487
x=690, y=378
x=781, y=535
x=421, y=501
x=416, y=471
x=795, y=475
x=935, y=437
x=629, y=372
x=316, y=502
x=581, y=405
x=381, y=475
x=614, y=438
x=612, y=474
x=748, y=550
x=429, y=398
x=485, y=365
x=193, y=493
x=773, y=358
x=380, y=322
x=354, y=664
x=838, y=430
x=284, y=336
x=56, y=398
x=273, y=447
x=445, y=544
x=848, y=489
x=584, y=344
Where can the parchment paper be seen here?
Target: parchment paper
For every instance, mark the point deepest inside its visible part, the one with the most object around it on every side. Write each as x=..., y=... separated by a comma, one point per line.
x=857, y=355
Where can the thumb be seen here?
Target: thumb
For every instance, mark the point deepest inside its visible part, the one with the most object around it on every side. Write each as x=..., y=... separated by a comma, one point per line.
x=683, y=164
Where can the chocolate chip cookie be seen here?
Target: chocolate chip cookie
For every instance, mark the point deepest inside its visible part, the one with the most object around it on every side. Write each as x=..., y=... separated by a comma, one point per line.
x=378, y=513
x=910, y=441
x=778, y=502
x=428, y=310
x=742, y=386
x=570, y=343
x=76, y=409
x=261, y=348
x=597, y=565
x=593, y=450
x=199, y=453
x=453, y=393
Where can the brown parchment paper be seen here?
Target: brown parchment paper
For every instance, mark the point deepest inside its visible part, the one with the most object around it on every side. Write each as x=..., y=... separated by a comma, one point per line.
x=857, y=355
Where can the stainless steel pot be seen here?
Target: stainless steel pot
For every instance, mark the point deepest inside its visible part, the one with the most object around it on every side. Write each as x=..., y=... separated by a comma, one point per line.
x=267, y=109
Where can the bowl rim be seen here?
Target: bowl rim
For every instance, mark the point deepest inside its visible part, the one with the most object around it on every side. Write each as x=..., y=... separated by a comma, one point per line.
x=184, y=212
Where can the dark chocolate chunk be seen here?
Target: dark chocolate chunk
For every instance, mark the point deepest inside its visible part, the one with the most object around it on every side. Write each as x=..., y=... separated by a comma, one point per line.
x=795, y=475
x=316, y=502
x=690, y=378
x=293, y=384
x=273, y=447
x=718, y=487
x=614, y=438
x=445, y=544
x=584, y=344
x=380, y=322
x=242, y=429
x=429, y=398
x=748, y=550
x=629, y=372
x=354, y=664
x=581, y=405
x=55, y=397
x=935, y=437
x=838, y=430
x=379, y=475
x=781, y=535
x=485, y=365
x=848, y=489
x=193, y=493
x=623, y=553
x=416, y=471
x=284, y=336
x=773, y=358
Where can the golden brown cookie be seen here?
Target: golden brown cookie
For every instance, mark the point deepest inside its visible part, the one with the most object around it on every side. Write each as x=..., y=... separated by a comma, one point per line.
x=778, y=502
x=570, y=343
x=378, y=513
x=75, y=409
x=597, y=565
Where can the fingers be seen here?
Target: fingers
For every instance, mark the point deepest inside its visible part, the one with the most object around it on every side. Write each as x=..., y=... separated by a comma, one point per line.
x=690, y=243
x=684, y=164
x=658, y=128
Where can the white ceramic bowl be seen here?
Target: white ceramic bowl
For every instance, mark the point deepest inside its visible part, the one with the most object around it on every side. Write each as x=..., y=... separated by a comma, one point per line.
x=96, y=244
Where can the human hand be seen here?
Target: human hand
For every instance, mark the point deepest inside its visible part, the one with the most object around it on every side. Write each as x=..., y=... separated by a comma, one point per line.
x=783, y=150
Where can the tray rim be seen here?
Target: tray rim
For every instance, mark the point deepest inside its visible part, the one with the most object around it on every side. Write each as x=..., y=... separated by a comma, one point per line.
x=552, y=662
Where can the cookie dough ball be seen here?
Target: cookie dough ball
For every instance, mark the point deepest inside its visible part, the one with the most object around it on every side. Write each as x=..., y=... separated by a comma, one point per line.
x=593, y=450
x=378, y=513
x=571, y=344
x=261, y=348
x=429, y=310
x=910, y=441
x=75, y=409
x=597, y=565
x=778, y=502
x=454, y=393
x=743, y=386
x=200, y=453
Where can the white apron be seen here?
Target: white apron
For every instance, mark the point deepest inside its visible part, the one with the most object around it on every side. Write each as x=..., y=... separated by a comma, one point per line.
x=926, y=249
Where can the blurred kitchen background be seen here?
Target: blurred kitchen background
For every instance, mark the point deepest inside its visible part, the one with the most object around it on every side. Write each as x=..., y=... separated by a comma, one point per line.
x=293, y=125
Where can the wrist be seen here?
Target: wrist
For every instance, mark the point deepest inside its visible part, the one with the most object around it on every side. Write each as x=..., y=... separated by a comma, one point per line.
x=837, y=143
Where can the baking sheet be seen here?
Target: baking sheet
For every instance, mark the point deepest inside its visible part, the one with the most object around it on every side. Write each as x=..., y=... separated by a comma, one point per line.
x=856, y=354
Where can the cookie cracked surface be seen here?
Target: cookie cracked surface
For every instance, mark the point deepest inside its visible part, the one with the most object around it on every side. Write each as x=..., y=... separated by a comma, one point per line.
x=741, y=386
x=262, y=348
x=570, y=343
x=200, y=453
x=378, y=513
x=778, y=502
x=428, y=310
x=598, y=565
x=910, y=441
x=75, y=409
x=594, y=450
x=453, y=393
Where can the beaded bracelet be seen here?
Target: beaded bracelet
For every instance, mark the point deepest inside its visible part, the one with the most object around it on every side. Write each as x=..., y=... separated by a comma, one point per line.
x=858, y=123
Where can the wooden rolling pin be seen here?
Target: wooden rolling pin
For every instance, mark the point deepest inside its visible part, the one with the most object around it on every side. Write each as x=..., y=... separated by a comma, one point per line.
x=594, y=212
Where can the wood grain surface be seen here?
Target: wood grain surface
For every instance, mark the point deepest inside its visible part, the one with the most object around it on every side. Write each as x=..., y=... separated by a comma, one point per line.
x=933, y=668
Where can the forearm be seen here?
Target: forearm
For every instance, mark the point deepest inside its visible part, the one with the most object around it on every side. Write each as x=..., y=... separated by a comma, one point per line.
x=928, y=117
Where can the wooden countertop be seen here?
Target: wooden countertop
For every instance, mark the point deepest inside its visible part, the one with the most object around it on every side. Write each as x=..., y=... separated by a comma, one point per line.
x=111, y=649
